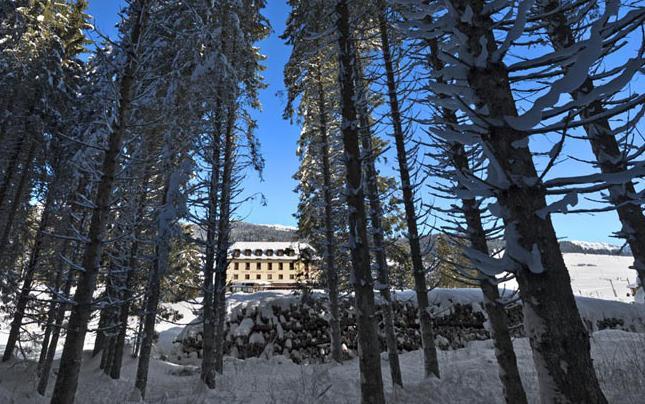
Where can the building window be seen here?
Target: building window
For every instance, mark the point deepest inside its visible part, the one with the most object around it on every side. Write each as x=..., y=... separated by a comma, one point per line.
x=247, y=276
x=236, y=276
x=270, y=266
x=236, y=253
x=292, y=266
x=258, y=252
x=247, y=252
x=292, y=276
x=279, y=253
x=237, y=266
x=258, y=276
x=247, y=266
x=258, y=265
x=269, y=276
x=269, y=253
x=280, y=266
x=280, y=276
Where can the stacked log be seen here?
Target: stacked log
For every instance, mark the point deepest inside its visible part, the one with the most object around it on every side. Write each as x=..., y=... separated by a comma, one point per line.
x=299, y=331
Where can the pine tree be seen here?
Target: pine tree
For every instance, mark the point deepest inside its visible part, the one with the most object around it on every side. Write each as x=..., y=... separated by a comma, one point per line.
x=362, y=282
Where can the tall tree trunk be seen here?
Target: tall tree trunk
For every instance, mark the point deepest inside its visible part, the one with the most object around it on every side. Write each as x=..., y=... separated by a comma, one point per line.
x=506, y=359
x=19, y=195
x=153, y=295
x=371, y=379
x=508, y=372
x=45, y=367
x=208, y=302
x=126, y=295
x=376, y=214
x=10, y=170
x=70, y=363
x=331, y=272
x=100, y=341
x=431, y=364
x=53, y=304
x=559, y=341
x=223, y=234
x=603, y=143
x=32, y=265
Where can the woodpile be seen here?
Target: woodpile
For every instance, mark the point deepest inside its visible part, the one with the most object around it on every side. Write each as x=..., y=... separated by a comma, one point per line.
x=299, y=331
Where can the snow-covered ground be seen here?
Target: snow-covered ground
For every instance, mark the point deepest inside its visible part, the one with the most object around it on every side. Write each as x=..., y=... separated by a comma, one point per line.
x=468, y=376
x=466, y=373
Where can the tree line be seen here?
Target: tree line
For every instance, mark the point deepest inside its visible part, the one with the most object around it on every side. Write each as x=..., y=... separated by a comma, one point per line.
x=480, y=101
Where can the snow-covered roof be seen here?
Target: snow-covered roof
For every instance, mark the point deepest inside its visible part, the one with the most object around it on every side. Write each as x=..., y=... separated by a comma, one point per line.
x=270, y=250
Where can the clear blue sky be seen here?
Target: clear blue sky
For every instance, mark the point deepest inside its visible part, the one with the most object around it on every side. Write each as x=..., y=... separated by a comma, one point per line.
x=278, y=139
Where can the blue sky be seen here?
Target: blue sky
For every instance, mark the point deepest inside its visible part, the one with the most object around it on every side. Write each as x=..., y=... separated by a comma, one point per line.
x=278, y=138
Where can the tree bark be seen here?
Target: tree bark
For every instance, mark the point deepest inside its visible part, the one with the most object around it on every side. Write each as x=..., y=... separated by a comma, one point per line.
x=10, y=171
x=369, y=350
x=45, y=367
x=19, y=195
x=508, y=372
x=126, y=296
x=153, y=294
x=51, y=313
x=70, y=364
x=375, y=215
x=223, y=235
x=32, y=265
x=431, y=364
x=208, y=312
x=603, y=144
x=506, y=359
x=331, y=272
x=559, y=341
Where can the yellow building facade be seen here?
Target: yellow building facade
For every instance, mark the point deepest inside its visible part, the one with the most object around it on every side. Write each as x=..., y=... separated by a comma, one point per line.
x=269, y=265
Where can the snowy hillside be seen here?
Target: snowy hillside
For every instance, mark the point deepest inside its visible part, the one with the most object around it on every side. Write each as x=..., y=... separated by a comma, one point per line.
x=599, y=276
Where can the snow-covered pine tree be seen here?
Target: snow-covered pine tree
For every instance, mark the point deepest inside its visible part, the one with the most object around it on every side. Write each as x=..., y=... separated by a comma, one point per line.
x=307, y=75
x=480, y=88
x=408, y=187
x=361, y=280
x=369, y=152
x=616, y=153
x=67, y=379
x=53, y=29
x=453, y=161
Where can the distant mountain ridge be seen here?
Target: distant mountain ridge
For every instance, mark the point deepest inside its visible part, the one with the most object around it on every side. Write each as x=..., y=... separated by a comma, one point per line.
x=243, y=231
x=581, y=247
x=591, y=247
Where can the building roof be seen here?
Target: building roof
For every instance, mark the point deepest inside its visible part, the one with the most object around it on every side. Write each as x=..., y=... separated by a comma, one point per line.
x=270, y=250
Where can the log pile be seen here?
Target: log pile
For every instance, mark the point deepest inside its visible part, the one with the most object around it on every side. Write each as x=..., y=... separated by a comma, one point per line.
x=299, y=330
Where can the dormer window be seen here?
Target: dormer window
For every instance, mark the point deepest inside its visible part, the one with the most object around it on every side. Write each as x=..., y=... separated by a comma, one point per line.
x=269, y=253
x=236, y=253
x=290, y=252
x=247, y=252
x=258, y=252
x=279, y=253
